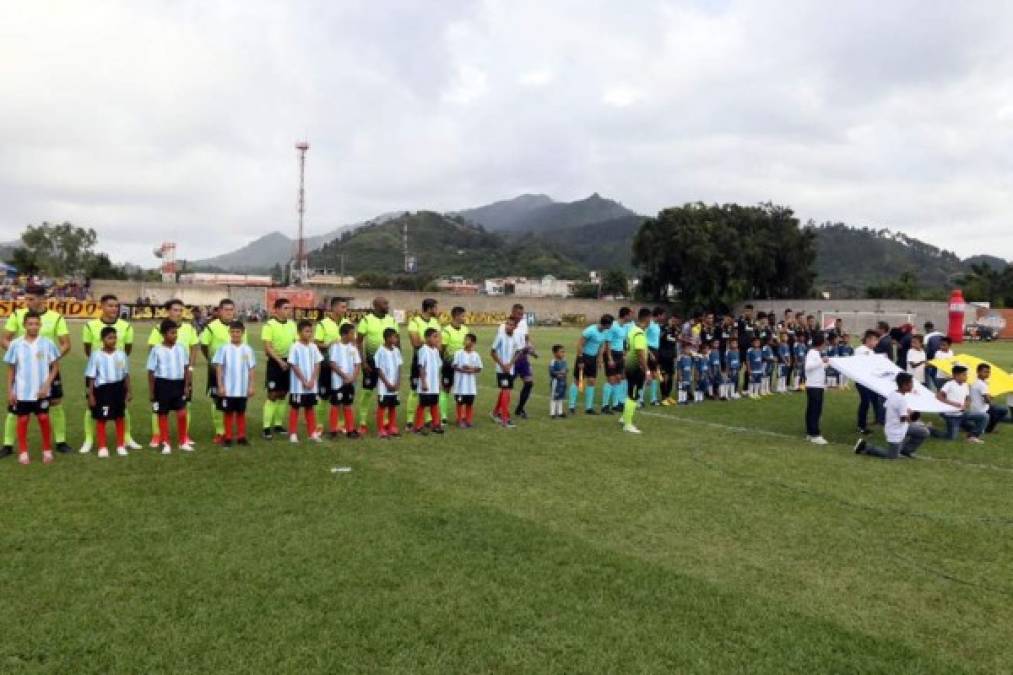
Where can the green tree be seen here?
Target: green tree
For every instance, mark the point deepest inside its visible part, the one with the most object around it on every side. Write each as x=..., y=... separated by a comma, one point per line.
x=585, y=289
x=56, y=250
x=986, y=283
x=101, y=267
x=614, y=282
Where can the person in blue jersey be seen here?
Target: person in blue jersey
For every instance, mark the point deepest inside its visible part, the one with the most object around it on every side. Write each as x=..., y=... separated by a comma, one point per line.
x=684, y=365
x=799, y=349
x=234, y=364
x=653, y=335
x=32, y=362
x=304, y=359
x=107, y=378
x=716, y=371
x=615, y=363
x=590, y=345
x=169, y=386
x=769, y=361
x=733, y=365
x=783, y=362
x=830, y=349
x=703, y=378
x=755, y=366
x=557, y=382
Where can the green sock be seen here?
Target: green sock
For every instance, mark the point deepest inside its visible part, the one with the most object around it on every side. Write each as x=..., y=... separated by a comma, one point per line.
x=217, y=419
x=629, y=407
x=154, y=425
x=444, y=404
x=279, y=412
x=89, y=428
x=267, y=418
x=58, y=418
x=10, y=429
x=128, y=437
x=365, y=405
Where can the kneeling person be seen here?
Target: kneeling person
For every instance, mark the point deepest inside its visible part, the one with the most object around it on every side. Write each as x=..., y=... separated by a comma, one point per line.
x=108, y=380
x=234, y=365
x=904, y=434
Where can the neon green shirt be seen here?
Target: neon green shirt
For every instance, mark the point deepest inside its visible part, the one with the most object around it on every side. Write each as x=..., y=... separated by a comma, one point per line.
x=419, y=326
x=91, y=334
x=54, y=326
x=281, y=335
x=328, y=331
x=636, y=338
x=215, y=336
x=453, y=339
x=371, y=329
x=186, y=335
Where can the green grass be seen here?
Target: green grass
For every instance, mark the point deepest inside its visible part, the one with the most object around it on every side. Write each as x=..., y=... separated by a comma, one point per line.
x=561, y=546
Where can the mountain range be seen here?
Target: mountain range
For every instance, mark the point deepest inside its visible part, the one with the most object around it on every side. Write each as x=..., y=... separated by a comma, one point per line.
x=532, y=234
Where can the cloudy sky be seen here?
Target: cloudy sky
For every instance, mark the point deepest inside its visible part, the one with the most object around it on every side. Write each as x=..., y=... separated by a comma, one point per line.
x=172, y=119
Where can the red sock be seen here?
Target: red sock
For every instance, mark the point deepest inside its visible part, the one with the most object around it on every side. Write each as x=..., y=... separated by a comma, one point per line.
x=22, y=433
x=229, y=419
x=504, y=404
x=380, y=426
x=469, y=411
x=241, y=423
x=163, y=428
x=332, y=422
x=420, y=416
x=100, y=433
x=121, y=432
x=392, y=421
x=458, y=410
x=181, y=429
x=47, y=432
x=311, y=421
x=349, y=419
x=434, y=412
x=293, y=420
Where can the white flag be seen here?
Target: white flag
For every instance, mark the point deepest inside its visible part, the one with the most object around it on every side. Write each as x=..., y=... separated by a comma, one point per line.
x=879, y=374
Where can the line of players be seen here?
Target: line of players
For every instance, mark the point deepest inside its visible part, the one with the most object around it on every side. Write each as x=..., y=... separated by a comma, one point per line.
x=690, y=368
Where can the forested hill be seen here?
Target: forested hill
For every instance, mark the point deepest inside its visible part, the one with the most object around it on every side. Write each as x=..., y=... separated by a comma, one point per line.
x=444, y=245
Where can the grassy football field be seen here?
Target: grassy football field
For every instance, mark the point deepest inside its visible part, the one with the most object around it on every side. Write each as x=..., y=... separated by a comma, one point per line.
x=718, y=541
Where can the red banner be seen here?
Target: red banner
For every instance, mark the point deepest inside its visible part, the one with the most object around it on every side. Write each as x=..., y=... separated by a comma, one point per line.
x=299, y=297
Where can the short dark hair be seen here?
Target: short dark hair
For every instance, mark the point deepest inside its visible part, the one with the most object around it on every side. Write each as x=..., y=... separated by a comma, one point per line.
x=869, y=334
x=304, y=323
x=946, y=340
x=883, y=325
x=903, y=378
x=281, y=302
x=35, y=289
x=644, y=313
x=929, y=325
x=606, y=320
x=237, y=325
x=429, y=304
x=556, y=348
x=981, y=367
x=169, y=304
x=429, y=333
x=471, y=336
x=958, y=369
x=517, y=306
x=166, y=326
x=457, y=310
x=748, y=307
x=624, y=312
x=106, y=332
x=818, y=339
x=345, y=329
x=225, y=302
x=387, y=332
x=658, y=311
x=337, y=300
x=107, y=297
x=32, y=315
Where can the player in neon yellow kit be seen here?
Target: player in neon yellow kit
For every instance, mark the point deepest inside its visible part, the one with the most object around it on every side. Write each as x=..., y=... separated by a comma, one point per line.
x=186, y=335
x=214, y=336
x=91, y=338
x=54, y=328
x=278, y=335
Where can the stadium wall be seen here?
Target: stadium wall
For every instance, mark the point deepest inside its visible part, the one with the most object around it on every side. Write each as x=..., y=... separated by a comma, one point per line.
x=858, y=315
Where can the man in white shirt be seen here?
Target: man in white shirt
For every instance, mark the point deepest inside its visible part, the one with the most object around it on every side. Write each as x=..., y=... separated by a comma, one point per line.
x=522, y=366
x=981, y=401
x=815, y=374
x=956, y=394
x=904, y=434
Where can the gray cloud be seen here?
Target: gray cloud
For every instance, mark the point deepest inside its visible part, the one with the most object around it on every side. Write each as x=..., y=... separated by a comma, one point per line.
x=176, y=120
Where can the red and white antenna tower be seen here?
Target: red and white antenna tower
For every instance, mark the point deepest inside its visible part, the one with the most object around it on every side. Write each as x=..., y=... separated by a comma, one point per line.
x=167, y=253
x=300, y=265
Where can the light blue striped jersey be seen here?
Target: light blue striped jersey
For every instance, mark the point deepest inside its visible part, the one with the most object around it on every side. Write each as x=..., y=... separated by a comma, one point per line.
x=107, y=367
x=31, y=360
x=305, y=357
x=236, y=361
x=346, y=358
x=430, y=360
x=388, y=361
x=466, y=384
x=653, y=332
x=505, y=346
x=169, y=363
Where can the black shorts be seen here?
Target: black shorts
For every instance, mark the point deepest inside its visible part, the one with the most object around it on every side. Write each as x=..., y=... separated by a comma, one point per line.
x=110, y=401
x=413, y=372
x=615, y=367
x=388, y=401
x=235, y=404
x=22, y=408
x=635, y=378
x=369, y=379
x=465, y=399
x=276, y=378
x=426, y=400
x=505, y=380
x=447, y=375
x=324, y=380
x=302, y=400
x=56, y=390
x=212, y=383
x=590, y=364
x=666, y=362
x=652, y=358
x=344, y=395
x=169, y=396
